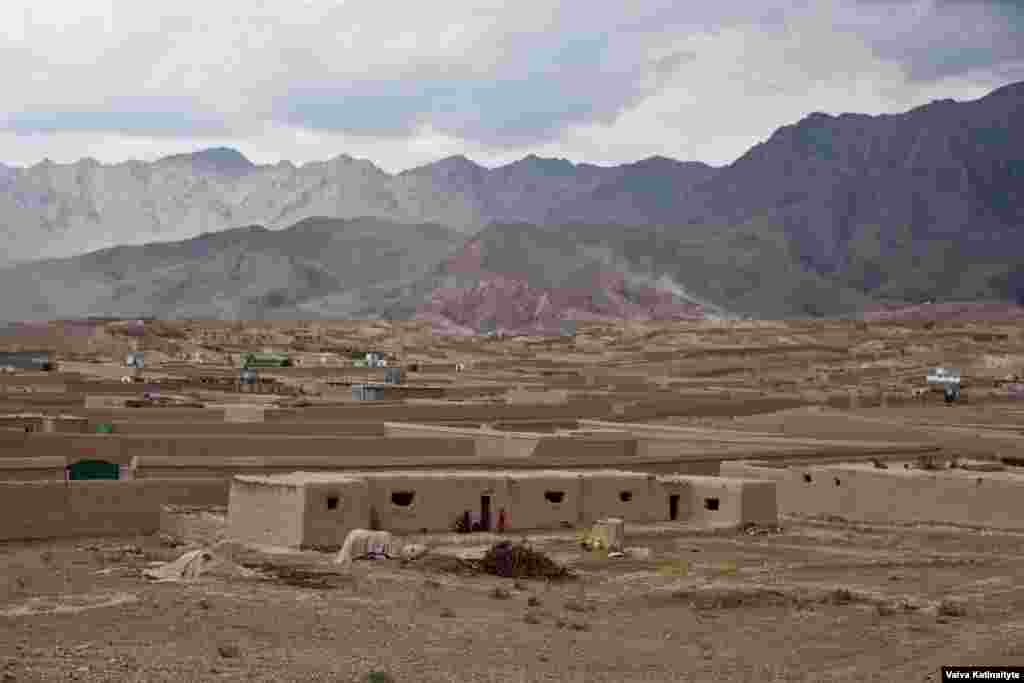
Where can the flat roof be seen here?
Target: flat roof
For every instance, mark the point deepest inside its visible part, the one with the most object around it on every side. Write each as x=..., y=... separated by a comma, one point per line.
x=303, y=478
x=1016, y=475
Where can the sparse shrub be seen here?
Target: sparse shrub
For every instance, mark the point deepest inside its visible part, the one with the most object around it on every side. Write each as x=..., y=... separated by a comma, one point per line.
x=575, y=606
x=519, y=585
x=948, y=608
x=531, y=618
x=579, y=626
x=447, y=612
x=840, y=596
x=379, y=677
x=229, y=651
x=499, y=593
x=561, y=623
x=533, y=601
x=519, y=560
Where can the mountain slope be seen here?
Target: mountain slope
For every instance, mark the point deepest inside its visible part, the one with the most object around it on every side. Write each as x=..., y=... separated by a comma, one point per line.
x=316, y=267
x=52, y=210
x=925, y=204
x=827, y=216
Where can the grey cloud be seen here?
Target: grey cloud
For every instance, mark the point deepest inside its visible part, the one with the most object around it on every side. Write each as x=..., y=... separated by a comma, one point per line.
x=952, y=37
x=523, y=79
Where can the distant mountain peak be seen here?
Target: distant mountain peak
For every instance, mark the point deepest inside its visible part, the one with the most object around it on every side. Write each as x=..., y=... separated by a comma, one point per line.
x=547, y=165
x=224, y=159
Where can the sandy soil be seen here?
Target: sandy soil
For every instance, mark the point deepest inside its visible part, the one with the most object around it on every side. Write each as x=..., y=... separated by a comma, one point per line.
x=817, y=601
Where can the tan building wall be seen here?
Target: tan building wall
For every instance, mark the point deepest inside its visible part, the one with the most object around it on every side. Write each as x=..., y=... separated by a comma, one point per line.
x=243, y=413
x=634, y=497
x=334, y=509
x=32, y=469
x=862, y=493
x=439, y=498
x=549, y=500
x=282, y=428
x=265, y=514
x=723, y=501
x=39, y=510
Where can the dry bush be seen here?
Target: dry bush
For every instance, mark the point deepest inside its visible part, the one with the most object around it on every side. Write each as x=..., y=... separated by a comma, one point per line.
x=521, y=561
x=499, y=593
x=949, y=608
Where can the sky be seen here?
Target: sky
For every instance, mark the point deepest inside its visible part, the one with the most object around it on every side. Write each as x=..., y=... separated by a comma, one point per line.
x=407, y=83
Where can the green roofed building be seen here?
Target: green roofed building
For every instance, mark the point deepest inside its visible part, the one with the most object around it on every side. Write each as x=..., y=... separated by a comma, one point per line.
x=266, y=360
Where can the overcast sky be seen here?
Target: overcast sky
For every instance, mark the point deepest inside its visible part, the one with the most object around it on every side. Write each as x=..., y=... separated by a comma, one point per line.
x=403, y=83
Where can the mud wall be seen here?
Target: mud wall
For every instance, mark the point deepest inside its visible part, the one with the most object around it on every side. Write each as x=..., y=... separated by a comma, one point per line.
x=266, y=514
x=437, y=500
x=894, y=495
x=722, y=501
x=634, y=497
x=549, y=500
x=296, y=428
x=40, y=510
x=32, y=469
x=327, y=524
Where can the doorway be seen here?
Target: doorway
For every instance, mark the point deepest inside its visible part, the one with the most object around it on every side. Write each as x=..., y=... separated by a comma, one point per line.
x=673, y=507
x=485, y=513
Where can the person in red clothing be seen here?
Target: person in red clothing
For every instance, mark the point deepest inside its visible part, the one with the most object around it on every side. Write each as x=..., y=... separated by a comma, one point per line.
x=502, y=521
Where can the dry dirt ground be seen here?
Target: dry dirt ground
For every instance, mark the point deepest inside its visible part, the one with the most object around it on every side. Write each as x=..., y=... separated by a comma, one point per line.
x=817, y=600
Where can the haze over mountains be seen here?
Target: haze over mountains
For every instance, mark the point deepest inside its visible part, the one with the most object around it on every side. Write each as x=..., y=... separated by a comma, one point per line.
x=827, y=216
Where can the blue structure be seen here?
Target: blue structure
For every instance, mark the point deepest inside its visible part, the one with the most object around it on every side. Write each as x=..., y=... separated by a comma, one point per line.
x=26, y=360
x=367, y=392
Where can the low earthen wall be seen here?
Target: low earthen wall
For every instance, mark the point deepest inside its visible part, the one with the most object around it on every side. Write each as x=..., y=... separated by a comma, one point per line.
x=894, y=494
x=61, y=509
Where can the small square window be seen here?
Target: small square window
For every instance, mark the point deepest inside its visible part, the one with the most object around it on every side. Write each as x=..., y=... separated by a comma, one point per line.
x=332, y=502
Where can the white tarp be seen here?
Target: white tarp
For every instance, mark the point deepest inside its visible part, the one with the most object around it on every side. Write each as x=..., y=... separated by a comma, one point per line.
x=362, y=543
x=194, y=564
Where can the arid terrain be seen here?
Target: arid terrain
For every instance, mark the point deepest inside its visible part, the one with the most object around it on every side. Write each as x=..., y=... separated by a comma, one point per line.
x=817, y=597
x=820, y=601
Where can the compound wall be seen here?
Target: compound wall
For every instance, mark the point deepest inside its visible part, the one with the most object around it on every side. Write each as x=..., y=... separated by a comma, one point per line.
x=59, y=509
x=897, y=495
x=266, y=514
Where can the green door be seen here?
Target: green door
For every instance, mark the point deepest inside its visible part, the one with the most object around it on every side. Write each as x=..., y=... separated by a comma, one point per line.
x=94, y=469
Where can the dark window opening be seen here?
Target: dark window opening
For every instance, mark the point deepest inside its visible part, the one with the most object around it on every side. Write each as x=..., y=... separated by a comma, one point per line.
x=485, y=513
x=807, y=478
x=554, y=496
x=673, y=507
x=403, y=498
x=837, y=481
x=710, y=503
x=332, y=502
x=625, y=496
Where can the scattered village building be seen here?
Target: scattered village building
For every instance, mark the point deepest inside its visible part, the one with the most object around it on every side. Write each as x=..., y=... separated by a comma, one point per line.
x=135, y=359
x=27, y=360
x=320, y=509
x=266, y=360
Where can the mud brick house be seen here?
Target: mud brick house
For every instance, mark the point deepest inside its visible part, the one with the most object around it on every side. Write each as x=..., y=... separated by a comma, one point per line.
x=305, y=509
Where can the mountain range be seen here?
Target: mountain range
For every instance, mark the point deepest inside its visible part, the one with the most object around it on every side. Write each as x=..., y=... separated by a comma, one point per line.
x=829, y=215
